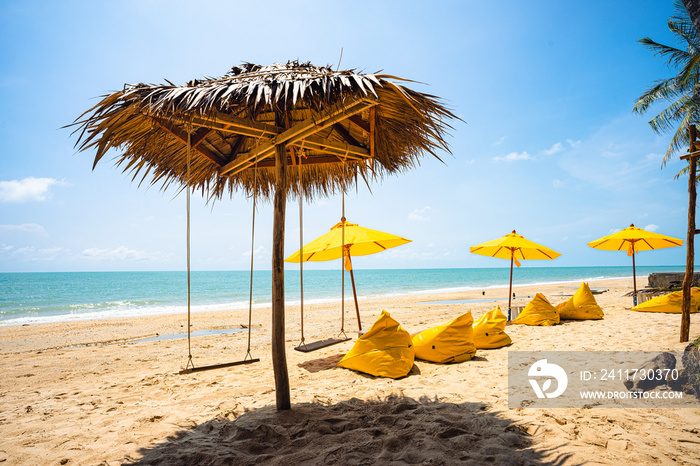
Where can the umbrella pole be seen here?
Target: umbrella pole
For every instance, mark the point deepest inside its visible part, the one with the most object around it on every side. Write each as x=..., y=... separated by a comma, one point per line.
x=354, y=293
x=510, y=287
x=634, y=276
x=279, y=356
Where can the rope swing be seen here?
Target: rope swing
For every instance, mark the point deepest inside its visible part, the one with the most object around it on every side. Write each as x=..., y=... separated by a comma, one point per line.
x=248, y=359
x=303, y=346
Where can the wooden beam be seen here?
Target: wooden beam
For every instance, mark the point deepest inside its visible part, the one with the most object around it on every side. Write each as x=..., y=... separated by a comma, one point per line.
x=246, y=124
x=346, y=135
x=333, y=147
x=336, y=151
x=181, y=136
x=692, y=154
x=372, y=132
x=279, y=355
x=690, y=243
x=296, y=133
x=236, y=147
x=232, y=125
x=319, y=160
x=359, y=122
x=199, y=136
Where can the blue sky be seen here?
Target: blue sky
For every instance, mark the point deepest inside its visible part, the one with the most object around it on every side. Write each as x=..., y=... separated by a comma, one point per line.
x=550, y=146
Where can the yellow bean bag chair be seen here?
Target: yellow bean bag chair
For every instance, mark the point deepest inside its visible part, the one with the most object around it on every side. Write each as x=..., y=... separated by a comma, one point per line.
x=385, y=350
x=539, y=311
x=581, y=306
x=489, y=330
x=670, y=303
x=450, y=342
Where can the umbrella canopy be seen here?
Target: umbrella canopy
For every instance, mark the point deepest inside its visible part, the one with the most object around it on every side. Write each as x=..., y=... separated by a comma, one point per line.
x=358, y=241
x=514, y=247
x=631, y=240
x=637, y=239
x=355, y=241
x=239, y=133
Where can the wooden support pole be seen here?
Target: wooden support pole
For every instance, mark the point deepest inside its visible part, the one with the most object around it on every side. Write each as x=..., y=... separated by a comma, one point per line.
x=634, y=276
x=372, y=130
x=279, y=356
x=354, y=293
x=690, y=242
x=510, y=287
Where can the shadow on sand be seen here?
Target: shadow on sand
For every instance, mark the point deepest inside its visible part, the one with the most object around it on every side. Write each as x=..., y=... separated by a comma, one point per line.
x=395, y=430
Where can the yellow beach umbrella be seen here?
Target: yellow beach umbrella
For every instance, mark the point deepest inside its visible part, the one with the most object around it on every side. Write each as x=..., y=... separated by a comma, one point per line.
x=516, y=248
x=633, y=239
x=354, y=240
x=358, y=241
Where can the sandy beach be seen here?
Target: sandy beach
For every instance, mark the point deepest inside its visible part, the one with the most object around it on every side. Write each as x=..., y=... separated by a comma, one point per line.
x=90, y=392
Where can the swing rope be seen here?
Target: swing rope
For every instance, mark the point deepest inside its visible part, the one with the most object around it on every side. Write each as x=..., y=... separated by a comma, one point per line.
x=303, y=346
x=189, y=368
x=301, y=245
x=252, y=249
x=342, y=261
x=190, y=362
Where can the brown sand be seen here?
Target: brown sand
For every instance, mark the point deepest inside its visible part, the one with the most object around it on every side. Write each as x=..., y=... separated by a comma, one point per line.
x=80, y=393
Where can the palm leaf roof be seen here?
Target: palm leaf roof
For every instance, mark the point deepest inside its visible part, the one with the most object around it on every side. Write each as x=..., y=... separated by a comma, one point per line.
x=337, y=124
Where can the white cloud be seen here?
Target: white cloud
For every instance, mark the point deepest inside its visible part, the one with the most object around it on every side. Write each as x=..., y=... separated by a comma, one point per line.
x=651, y=227
x=558, y=147
x=513, y=156
x=420, y=215
x=256, y=252
x=25, y=228
x=28, y=189
x=32, y=254
x=121, y=253
x=500, y=141
x=573, y=143
x=557, y=184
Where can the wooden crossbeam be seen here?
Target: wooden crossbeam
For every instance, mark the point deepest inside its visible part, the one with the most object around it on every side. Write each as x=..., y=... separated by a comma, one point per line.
x=233, y=125
x=372, y=131
x=318, y=160
x=181, y=136
x=236, y=147
x=336, y=150
x=345, y=134
x=333, y=147
x=296, y=133
x=359, y=122
x=694, y=154
x=199, y=136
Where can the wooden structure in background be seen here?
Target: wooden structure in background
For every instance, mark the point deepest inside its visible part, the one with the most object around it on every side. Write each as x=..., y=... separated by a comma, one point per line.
x=692, y=158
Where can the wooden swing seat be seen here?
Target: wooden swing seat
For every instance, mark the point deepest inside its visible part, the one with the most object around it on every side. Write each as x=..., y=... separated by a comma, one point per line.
x=316, y=345
x=218, y=366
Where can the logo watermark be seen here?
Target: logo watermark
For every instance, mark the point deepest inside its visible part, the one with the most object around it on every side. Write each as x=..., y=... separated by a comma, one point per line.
x=603, y=379
x=552, y=372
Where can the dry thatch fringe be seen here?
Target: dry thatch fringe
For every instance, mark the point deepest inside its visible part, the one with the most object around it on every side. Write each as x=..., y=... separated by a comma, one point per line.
x=409, y=125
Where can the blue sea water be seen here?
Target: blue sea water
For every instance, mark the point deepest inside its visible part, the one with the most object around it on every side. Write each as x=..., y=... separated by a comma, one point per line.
x=27, y=298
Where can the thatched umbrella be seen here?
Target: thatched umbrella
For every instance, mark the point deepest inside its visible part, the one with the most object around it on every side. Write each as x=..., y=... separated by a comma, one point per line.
x=248, y=126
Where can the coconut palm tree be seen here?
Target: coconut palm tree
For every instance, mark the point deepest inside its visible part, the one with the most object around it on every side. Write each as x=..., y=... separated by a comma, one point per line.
x=682, y=90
